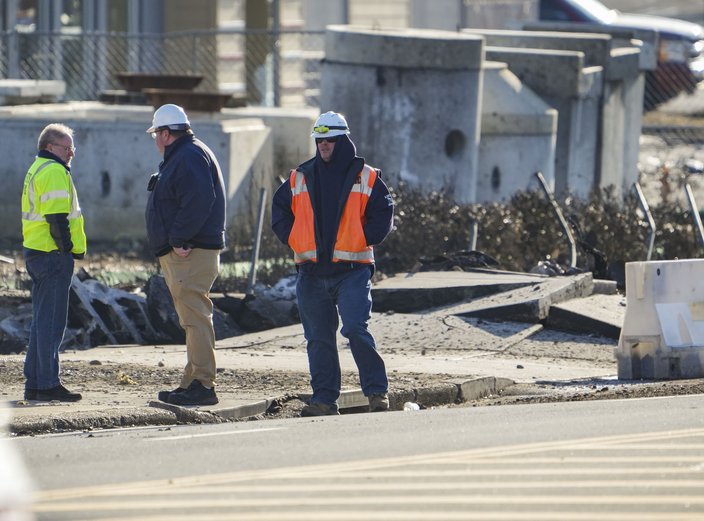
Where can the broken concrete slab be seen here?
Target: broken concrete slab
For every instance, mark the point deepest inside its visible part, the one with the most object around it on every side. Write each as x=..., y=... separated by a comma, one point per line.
x=528, y=304
x=410, y=292
x=596, y=315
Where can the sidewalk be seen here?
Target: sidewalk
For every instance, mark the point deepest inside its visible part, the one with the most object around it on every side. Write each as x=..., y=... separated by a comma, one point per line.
x=433, y=357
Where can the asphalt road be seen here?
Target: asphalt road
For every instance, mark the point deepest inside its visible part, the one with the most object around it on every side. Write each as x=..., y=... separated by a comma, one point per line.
x=606, y=460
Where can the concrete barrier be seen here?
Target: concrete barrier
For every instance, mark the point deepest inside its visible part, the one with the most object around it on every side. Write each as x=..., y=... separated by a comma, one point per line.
x=515, y=119
x=412, y=100
x=574, y=90
x=618, y=110
x=663, y=330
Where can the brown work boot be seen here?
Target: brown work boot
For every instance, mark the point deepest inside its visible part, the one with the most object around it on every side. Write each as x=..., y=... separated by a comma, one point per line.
x=320, y=409
x=379, y=402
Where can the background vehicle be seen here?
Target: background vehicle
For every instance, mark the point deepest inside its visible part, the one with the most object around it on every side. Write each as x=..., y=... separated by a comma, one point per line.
x=680, y=52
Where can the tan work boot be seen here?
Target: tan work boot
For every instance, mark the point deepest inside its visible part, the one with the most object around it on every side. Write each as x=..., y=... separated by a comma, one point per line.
x=379, y=402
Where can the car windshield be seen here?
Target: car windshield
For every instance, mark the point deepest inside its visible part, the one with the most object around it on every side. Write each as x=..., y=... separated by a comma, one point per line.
x=595, y=10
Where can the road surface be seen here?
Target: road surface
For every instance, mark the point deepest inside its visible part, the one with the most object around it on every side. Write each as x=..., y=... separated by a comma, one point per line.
x=607, y=460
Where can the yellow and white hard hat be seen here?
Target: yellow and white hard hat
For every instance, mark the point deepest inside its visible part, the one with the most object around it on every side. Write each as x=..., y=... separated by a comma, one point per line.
x=330, y=124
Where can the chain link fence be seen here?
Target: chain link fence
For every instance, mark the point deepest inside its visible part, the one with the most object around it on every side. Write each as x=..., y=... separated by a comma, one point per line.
x=267, y=67
x=271, y=68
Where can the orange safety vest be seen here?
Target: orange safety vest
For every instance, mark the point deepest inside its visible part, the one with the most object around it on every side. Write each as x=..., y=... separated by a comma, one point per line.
x=350, y=244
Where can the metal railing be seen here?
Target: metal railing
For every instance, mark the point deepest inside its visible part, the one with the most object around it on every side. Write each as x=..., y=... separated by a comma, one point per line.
x=269, y=67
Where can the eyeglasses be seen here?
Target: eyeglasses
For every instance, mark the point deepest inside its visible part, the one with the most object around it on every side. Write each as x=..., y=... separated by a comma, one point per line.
x=154, y=134
x=331, y=139
x=66, y=148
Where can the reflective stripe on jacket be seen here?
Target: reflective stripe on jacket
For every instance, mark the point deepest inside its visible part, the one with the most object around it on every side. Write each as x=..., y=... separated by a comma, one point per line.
x=48, y=189
x=350, y=243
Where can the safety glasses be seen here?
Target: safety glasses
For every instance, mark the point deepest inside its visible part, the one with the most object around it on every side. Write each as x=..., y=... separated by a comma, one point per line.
x=331, y=139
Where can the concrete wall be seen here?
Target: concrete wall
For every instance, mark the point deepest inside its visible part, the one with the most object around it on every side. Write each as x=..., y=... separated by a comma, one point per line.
x=412, y=100
x=115, y=158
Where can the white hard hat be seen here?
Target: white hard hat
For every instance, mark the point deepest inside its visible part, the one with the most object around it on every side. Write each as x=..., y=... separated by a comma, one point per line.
x=330, y=124
x=171, y=116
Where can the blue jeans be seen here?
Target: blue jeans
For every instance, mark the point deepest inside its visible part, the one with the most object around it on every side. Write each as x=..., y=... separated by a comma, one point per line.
x=320, y=298
x=51, y=280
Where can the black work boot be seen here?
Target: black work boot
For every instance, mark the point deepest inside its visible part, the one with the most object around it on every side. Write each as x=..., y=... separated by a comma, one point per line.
x=58, y=394
x=196, y=394
x=163, y=396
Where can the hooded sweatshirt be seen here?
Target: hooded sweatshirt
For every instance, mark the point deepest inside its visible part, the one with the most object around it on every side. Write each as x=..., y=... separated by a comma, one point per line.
x=328, y=185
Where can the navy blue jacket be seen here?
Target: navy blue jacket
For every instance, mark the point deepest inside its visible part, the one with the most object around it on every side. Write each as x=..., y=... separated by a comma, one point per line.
x=186, y=206
x=329, y=186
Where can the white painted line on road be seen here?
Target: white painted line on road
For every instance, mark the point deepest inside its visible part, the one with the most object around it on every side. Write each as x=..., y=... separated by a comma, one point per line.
x=208, y=434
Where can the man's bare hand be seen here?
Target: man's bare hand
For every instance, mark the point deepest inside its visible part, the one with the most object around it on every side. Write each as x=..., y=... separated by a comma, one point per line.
x=182, y=252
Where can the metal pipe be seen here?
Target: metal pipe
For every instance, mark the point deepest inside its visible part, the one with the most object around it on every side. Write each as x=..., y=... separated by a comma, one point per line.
x=558, y=213
x=276, y=51
x=651, y=222
x=473, y=232
x=695, y=212
x=257, y=242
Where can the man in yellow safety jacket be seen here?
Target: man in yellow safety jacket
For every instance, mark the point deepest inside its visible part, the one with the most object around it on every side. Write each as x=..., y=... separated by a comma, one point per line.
x=52, y=231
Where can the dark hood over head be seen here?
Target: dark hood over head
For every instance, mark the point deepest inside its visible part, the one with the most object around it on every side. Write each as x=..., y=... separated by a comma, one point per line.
x=342, y=155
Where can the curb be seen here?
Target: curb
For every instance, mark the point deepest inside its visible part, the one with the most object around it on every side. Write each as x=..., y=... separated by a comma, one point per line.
x=160, y=413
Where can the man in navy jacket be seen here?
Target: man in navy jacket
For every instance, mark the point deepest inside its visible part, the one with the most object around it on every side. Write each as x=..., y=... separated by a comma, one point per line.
x=331, y=211
x=186, y=230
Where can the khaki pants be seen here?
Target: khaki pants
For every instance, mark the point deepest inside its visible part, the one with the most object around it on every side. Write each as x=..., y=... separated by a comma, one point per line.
x=189, y=280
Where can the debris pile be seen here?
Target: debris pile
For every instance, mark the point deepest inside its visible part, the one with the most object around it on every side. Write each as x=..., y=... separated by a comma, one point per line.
x=101, y=315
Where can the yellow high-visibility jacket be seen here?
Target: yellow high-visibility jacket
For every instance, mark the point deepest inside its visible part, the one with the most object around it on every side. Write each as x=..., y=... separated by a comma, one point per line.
x=48, y=189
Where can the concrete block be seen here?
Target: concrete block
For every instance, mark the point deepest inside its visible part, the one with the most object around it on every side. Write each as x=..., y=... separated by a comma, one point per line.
x=596, y=47
x=478, y=388
x=595, y=314
x=529, y=304
x=440, y=394
x=290, y=133
x=416, y=92
x=408, y=293
x=19, y=92
x=573, y=90
x=549, y=72
x=646, y=40
x=663, y=330
x=516, y=119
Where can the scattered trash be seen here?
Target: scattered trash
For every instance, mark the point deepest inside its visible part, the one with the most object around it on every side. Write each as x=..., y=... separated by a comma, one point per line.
x=411, y=406
x=694, y=166
x=124, y=379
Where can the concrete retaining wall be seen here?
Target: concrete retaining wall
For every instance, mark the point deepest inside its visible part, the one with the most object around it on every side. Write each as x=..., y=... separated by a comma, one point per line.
x=115, y=158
